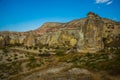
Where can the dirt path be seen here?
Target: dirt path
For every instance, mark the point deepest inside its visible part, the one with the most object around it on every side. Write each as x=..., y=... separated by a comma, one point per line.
x=51, y=70
x=38, y=72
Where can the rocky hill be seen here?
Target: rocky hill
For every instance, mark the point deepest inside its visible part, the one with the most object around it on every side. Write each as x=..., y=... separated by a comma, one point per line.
x=85, y=35
x=83, y=49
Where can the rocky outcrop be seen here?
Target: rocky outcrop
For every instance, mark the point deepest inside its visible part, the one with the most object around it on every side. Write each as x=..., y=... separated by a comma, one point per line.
x=93, y=32
x=48, y=27
x=86, y=35
x=29, y=40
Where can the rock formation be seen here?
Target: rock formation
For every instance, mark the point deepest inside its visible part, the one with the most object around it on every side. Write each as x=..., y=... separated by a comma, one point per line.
x=86, y=34
x=29, y=40
x=93, y=32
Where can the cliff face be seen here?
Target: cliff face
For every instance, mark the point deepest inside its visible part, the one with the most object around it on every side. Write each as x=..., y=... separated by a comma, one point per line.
x=93, y=32
x=86, y=35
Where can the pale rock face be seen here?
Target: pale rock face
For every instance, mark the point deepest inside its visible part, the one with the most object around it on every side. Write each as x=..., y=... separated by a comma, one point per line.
x=21, y=39
x=92, y=33
x=1, y=41
x=85, y=34
x=67, y=37
x=14, y=39
x=30, y=40
x=80, y=42
x=54, y=37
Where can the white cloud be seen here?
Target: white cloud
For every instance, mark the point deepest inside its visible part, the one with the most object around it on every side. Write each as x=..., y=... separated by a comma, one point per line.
x=107, y=2
x=110, y=2
x=101, y=1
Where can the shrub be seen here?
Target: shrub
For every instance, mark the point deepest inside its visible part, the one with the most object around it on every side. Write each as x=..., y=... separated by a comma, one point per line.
x=60, y=52
x=15, y=55
x=35, y=47
x=5, y=50
x=15, y=58
x=9, y=59
x=32, y=58
x=32, y=62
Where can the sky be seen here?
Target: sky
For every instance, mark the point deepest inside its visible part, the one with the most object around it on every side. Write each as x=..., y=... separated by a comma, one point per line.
x=25, y=15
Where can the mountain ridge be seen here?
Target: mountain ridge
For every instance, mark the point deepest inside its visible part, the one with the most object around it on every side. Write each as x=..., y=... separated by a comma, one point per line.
x=85, y=34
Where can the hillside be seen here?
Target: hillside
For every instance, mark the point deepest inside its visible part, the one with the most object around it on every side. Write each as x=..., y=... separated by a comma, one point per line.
x=82, y=49
x=86, y=34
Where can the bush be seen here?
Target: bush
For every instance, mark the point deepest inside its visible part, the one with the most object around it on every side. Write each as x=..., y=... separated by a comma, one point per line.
x=32, y=62
x=9, y=59
x=44, y=55
x=32, y=58
x=15, y=55
x=60, y=52
x=15, y=58
x=5, y=50
x=35, y=47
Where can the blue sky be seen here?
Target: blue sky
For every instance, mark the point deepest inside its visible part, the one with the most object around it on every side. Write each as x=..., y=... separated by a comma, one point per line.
x=24, y=15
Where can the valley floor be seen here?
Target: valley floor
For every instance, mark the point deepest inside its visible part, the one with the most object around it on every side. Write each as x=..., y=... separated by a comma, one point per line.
x=19, y=64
